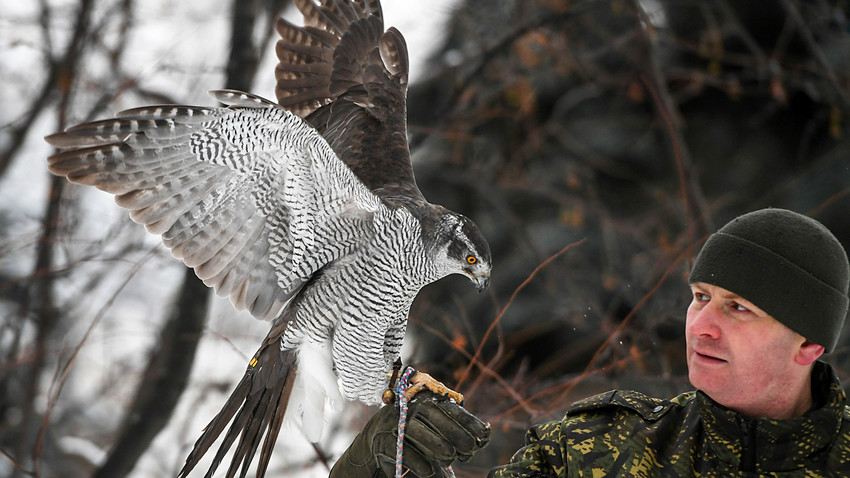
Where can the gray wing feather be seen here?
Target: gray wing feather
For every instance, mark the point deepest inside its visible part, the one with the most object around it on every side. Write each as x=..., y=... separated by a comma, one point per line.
x=250, y=196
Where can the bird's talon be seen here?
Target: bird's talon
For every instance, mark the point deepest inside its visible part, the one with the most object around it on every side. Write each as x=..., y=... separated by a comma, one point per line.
x=422, y=380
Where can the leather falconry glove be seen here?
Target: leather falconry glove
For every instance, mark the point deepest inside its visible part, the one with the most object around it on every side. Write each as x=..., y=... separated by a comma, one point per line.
x=437, y=433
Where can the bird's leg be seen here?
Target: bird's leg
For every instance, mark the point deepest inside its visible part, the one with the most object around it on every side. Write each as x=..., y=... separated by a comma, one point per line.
x=421, y=380
x=389, y=394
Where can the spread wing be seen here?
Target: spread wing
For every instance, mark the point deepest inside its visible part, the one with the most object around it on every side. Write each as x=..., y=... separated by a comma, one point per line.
x=348, y=77
x=250, y=195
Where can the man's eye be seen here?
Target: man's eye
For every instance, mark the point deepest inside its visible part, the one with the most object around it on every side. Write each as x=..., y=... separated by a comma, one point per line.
x=739, y=307
x=699, y=296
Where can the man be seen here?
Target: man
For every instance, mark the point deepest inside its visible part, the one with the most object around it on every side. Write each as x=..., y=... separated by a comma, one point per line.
x=770, y=296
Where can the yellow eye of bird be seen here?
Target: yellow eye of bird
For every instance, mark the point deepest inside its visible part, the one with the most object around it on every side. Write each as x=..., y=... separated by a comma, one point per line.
x=471, y=259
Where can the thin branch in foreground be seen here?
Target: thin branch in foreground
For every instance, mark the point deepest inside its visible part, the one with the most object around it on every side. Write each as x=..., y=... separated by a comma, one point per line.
x=568, y=385
x=498, y=317
x=485, y=369
x=15, y=463
x=61, y=374
x=626, y=320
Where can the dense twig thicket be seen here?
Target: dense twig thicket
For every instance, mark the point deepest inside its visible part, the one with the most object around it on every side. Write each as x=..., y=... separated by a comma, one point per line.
x=595, y=143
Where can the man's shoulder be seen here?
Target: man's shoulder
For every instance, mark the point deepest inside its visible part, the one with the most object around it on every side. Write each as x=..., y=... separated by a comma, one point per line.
x=629, y=431
x=631, y=403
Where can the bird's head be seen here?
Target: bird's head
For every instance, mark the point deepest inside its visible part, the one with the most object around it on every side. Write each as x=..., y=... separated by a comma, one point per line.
x=462, y=249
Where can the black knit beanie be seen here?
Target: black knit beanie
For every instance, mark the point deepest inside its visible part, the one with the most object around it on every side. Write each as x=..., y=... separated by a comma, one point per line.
x=787, y=264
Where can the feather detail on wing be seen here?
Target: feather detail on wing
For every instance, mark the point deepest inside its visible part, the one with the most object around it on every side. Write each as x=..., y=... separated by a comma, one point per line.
x=250, y=196
x=306, y=53
x=348, y=77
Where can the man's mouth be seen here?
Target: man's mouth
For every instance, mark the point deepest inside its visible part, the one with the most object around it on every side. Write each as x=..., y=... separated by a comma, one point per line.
x=708, y=358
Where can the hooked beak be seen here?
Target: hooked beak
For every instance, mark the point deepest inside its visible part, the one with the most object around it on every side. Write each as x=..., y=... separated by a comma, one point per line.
x=481, y=282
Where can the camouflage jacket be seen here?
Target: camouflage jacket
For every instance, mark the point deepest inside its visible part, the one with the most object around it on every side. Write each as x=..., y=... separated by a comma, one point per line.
x=627, y=434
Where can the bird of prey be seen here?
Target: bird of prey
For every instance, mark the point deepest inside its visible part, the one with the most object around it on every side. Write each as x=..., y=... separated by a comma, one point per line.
x=304, y=212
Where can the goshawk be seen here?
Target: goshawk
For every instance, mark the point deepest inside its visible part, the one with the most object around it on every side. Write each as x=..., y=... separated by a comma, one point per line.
x=304, y=212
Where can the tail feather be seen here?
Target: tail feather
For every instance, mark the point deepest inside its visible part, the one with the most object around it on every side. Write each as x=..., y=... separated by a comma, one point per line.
x=255, y=408
x=259, y=421
x=242, y=424
x=274, y=424
x=249, y=440
x=215, y=427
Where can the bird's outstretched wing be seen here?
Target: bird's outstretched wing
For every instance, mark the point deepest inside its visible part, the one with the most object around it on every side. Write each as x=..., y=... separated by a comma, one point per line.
x=249, y=195
x=348, y=77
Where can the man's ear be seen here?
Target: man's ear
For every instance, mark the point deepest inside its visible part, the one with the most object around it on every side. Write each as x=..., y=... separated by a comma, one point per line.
x=808, y=353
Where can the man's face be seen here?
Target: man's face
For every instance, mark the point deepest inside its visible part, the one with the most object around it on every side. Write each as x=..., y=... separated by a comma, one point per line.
x=739, y=355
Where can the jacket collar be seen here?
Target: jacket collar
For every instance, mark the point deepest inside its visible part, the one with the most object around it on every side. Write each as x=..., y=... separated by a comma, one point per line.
x=775, y=445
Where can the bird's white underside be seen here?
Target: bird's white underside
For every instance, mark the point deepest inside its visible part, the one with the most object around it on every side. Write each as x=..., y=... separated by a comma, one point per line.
x=315, y=395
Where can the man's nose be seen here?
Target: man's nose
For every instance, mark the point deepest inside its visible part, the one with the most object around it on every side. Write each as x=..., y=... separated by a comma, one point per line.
x=704, y=322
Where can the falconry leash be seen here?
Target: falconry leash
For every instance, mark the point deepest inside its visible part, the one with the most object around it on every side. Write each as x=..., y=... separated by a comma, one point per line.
x=400, y=389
